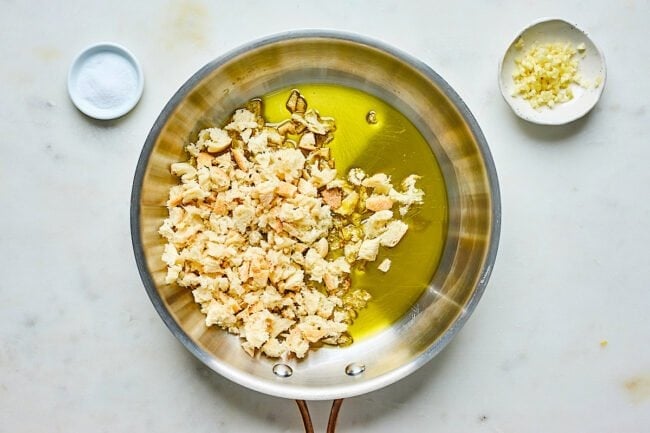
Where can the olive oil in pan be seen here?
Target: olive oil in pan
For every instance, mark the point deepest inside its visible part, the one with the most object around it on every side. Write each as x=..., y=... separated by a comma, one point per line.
x=374, y=136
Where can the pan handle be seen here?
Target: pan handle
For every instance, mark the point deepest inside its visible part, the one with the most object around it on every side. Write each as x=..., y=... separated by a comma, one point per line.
x=306, y=417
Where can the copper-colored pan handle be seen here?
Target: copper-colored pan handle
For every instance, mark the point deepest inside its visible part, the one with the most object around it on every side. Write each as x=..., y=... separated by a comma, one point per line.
x=306, y=417
x=334, y=415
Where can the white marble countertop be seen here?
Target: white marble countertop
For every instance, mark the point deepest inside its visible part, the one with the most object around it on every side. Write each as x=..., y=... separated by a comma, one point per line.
x=82, y=349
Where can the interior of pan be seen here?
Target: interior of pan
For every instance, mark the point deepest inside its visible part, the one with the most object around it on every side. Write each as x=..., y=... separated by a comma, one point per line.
x=211, y=95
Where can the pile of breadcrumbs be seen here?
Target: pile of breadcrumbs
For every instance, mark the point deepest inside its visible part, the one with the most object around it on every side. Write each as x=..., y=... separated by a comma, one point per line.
x=264, y=232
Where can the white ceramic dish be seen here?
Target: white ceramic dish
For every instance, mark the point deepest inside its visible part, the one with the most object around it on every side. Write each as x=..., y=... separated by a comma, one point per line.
x=106, y=97
x=591, y=68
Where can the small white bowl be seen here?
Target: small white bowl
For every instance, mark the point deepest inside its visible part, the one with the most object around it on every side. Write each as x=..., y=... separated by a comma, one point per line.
x=591, y=68
x=101, y=95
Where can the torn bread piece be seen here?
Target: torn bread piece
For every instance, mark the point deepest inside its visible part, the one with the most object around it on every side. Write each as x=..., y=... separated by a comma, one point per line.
x=384, y=266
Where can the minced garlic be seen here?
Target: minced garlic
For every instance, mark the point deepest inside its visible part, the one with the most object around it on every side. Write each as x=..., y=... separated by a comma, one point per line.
x=264, y=232
x=545, y=73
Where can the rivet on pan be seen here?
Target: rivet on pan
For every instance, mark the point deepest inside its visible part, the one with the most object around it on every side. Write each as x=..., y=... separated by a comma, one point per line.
x=282, y=370
x=355, y=369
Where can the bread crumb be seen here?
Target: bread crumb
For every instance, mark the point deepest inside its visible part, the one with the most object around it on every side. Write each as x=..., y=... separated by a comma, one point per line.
x=378, y=202
x=384, y=266
x=356, y=176
x=395, y=231
x=369, y=249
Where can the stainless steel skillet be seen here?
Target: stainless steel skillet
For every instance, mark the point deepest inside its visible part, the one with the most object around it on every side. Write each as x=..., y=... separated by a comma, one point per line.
x=455, y=138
